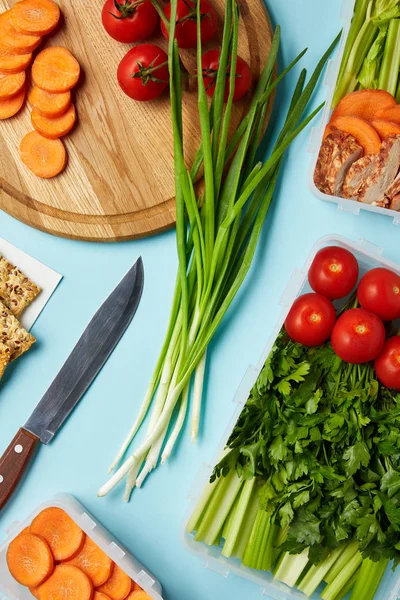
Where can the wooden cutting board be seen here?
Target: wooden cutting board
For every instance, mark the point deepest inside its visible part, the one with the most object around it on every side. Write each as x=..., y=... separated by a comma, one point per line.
x=119, y=182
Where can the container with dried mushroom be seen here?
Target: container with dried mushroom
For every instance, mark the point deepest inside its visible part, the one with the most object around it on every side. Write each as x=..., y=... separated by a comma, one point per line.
x=356, y=149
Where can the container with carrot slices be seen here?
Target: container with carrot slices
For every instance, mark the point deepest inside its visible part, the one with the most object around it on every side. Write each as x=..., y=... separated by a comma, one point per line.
x=356, y=150
x=61, y=551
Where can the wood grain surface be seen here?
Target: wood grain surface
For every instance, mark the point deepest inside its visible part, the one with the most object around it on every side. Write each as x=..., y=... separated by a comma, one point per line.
x=119, y=182
x=14, y=463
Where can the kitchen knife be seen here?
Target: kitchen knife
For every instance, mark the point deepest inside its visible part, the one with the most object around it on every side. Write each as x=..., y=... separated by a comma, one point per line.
x=83, y=364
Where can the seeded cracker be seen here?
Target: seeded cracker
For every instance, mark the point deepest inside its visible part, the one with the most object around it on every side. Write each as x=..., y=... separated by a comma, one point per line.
x=12, y=334
x=16, y=290
x=4, y=358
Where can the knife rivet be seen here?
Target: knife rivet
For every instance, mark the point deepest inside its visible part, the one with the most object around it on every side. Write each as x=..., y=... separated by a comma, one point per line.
x=1, y=478
x=18, y=448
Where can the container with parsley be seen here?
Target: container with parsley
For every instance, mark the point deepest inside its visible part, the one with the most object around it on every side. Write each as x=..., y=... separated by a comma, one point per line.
x=305, y=497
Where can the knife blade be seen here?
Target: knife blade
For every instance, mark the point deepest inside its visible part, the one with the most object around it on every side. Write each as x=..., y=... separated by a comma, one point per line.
x=78, y=372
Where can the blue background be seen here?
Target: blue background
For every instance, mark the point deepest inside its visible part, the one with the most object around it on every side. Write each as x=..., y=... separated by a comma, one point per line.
x=77, y=461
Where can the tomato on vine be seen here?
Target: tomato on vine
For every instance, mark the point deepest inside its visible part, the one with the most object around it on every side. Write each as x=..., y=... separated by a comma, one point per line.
x=243, y=78
x=129, y=21
x=143, y=72
x=186, y=23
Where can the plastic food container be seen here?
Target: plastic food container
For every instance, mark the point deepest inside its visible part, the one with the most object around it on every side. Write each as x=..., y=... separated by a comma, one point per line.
x=11, y=590
x=344, y=205
x=369, y=256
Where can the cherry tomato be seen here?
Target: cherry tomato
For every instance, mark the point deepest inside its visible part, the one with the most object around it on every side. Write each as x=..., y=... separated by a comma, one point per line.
x=243, y=79
x=143, y=72
x=310, y=320
x=387, y=365
x=334, y=272
x=129, y=21
x=186, y=24
x=358, y=336
x=379, y=292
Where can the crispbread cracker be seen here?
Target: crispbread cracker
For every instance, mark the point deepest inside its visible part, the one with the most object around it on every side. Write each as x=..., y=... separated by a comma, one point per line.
x=16, y=290
x=12, y=334
x=5, y=355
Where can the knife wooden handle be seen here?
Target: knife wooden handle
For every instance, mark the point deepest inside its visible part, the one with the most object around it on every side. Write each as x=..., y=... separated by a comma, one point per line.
x=14, y=462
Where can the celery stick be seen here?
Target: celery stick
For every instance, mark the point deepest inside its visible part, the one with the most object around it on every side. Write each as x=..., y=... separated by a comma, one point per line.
x=280, y=538
x=343, y=559
x=398, y=93
x=201, y=505
x=239, y=514
x=265, y=539
x=252, y=551
x=290, y=567
x=369, y=578
x=218, y=508
x=389, y=73
x=247, y=525
x=268, y=552
x=369, y=74
x=359, y=16
x=230, y=518
x=333, y=589
x=317, y=573
x=349, y=585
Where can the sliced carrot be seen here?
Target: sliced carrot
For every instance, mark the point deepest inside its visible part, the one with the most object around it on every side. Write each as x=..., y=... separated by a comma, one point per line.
x=47, y=158
x=54, y=128
x=62, y=534
x=13, y=39
x=364, y=104
x=11, y=106
x=11, y=84
x=138, y=595
x=328, y=130
x=390, y=114
x=66, y=583
x=361, y=130
x=385, y=128
x=55, y=70
x=34, y=592
x=29, y=559
x=48, y=104
x=94, y=562
x=100, y=596
x=118, y=585
x=37, y=17
x=13, y=63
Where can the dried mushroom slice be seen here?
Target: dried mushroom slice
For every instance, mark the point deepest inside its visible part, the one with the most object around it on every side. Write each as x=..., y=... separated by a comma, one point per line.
x=16, y=290
x=12, y=334
x=5, y=355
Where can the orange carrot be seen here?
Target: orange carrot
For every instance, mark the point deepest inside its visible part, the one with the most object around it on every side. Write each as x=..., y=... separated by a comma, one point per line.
x=34, y=592
x=328, y=130
x=29, y=559
x=55, y=70
x=100, y=596
x=138, y=595
x=54, y=128
x=13, y=39
x=10, y=106
x=11, y=84
x=66, y=583
x=390, y=114
x=47, y=104
x=364, y=104
x=385, y=128
x=118, y=585
x=37, y=17
x=94, y=562
x=361, y=130
x=62, y=534
x=13, y=63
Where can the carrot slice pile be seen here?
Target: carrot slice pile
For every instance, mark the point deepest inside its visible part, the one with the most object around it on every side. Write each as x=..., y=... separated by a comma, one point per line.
x=100, y=596
x=29, y=559
x=118, y=585
x=365, y=104
x=390, y=114
x=48, y=104
x=55, y=69
x=54, y=128
x=361, y=130
x=13, y=39
x=37, y=17
x=10, y=106
x=385, y=128
x=94, y=562
x=66, y=583
x=13, y=63
x=11, y=84
x=47, y=158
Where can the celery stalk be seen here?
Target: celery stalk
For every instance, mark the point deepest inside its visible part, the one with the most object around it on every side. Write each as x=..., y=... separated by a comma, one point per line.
x=369, y=74
x=290, y=567
x=369, y=578
x=348, y=553
x=316, y=573
x=237, y=515
x=230, y=520
x=247, y=525
x=349, y=586
x=333, y=589
x=260, y=529
x=202, y=505
x=360, y=12
x=389, y=72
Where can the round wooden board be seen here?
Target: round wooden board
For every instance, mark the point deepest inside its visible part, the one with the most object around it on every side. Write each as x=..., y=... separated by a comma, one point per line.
x=119, y=182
